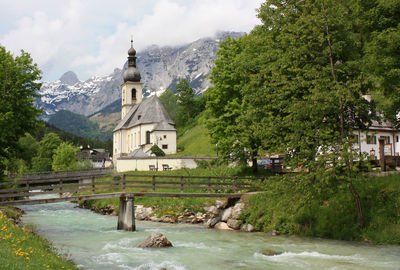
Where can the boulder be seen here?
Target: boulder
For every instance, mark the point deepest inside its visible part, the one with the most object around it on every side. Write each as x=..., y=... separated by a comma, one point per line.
x=154, y=219
x=274, y=233
x=212, y=210
x=187, y=213
x=143, y=213
x=168, y=219
x=226, y=214
x=212, y=221
x=270, y=252
x=247, y=228
x=237, y=210
x=234, y=223
x=220, y=204
x=222, y=226
x=156, y=240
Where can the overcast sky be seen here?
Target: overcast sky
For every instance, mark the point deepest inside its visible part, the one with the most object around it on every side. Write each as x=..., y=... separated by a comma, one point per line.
x=91, y=37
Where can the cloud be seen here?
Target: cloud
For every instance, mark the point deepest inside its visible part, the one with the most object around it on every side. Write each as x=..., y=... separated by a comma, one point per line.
x=172, y=24
x=91, y=37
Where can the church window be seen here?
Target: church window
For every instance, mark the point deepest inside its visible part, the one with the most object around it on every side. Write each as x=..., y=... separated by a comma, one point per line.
x=165, y=146
x=133, y=94
x=147, y=137
x=138, y=117
x=165, y=136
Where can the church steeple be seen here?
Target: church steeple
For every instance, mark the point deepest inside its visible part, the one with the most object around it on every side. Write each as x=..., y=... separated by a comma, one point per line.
x=132, y=87
x=132, y=73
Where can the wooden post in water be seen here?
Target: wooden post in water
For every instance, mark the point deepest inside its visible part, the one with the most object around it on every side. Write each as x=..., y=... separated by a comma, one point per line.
x=126, y=215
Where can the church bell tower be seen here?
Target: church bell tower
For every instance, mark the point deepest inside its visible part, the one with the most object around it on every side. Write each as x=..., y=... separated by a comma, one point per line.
x=132, y=88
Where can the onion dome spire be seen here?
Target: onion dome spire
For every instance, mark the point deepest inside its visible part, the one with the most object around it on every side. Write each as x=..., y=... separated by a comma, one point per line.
x=132, y=73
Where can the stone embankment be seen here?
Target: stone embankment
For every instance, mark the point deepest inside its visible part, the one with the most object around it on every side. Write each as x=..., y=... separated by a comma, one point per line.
x=224, y=215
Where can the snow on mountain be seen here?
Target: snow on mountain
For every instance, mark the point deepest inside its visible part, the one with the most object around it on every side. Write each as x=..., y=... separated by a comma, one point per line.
x=160, y=68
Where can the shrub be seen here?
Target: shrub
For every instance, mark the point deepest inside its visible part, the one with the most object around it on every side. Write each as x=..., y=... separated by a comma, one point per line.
x=157, y=151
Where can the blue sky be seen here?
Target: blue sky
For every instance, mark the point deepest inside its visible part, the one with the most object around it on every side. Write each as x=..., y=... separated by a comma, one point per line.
x=91, y=37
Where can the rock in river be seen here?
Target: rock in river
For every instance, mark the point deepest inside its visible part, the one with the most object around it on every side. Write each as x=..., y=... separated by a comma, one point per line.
x=270, y=252
x=156, y=240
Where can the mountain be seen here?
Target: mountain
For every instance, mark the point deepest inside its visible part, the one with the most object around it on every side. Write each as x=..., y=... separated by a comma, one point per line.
x=78, y=124
x=160, y=67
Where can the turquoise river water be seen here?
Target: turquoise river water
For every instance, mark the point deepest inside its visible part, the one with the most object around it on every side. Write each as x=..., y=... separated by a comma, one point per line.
x=92, y=241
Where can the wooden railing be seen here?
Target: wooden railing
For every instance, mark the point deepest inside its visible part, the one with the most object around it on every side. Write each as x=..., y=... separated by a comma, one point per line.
x=78, y=186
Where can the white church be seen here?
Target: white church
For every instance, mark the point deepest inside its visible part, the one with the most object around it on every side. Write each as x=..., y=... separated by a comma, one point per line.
x=144, y=121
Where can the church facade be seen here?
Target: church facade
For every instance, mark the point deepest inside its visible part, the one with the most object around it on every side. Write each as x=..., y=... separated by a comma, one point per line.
x=144, y=122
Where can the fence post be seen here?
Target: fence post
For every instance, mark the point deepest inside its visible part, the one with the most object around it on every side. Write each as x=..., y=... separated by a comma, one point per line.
x=153, y=182
x=27, y=186
x=93, y=184
x=235, y=183
x=61, y=187
x=123, y=182
x=181, y=184
x=209, y=185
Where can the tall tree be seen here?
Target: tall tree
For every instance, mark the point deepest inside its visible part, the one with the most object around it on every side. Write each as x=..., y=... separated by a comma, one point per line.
x=47, y=146
x=186, y=103
x=295, y=85
x=313, y=84
x=380, y=26
x=169, y=101
x=19, y=78
x=64, y=157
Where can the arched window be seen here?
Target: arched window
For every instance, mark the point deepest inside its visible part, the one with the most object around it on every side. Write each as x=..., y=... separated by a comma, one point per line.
x=147, y=137
x=133, y=94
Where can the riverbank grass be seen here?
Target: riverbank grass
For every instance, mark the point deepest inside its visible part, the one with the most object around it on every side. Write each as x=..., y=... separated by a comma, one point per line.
x=20, y=248
x=284, y=207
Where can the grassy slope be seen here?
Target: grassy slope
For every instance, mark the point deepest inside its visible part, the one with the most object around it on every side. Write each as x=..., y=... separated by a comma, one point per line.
x=196, y=142
x=283, y=208
x=22, y=249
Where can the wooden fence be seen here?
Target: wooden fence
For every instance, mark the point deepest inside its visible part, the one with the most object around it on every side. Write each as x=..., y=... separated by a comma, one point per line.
x=76, y=187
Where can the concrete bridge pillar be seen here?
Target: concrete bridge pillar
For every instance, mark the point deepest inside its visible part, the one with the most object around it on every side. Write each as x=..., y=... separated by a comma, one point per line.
x=126, y=215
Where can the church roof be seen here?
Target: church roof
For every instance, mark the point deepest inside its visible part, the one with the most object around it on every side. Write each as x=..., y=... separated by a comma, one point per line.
x=148, y=111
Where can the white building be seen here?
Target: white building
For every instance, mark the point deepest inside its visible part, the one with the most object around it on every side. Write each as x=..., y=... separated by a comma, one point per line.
x=144, y=122
x=368, y=141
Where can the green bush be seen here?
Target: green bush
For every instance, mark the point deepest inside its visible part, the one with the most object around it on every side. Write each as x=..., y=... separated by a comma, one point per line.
x=157, y=151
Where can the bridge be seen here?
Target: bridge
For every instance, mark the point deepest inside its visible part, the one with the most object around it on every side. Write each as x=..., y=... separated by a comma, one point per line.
x=98, y=184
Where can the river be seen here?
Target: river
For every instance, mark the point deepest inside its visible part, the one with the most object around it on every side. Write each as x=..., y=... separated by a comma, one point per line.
x=92, y=242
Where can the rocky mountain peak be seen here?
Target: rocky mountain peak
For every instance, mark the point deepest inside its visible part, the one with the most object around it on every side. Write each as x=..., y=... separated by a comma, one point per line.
x=161, y=68
x=69, y=78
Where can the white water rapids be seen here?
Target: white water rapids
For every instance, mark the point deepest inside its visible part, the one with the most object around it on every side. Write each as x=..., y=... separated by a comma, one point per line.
x=92, y=242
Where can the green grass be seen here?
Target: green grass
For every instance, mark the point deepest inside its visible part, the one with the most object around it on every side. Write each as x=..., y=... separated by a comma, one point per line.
x=22, y=249
x=195, y=141
x=286, y=208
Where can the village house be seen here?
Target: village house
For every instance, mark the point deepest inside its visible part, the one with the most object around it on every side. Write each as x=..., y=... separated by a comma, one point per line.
x=99, y=158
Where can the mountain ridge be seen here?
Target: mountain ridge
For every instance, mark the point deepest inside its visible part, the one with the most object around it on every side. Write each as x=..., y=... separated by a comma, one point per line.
x=161, y=68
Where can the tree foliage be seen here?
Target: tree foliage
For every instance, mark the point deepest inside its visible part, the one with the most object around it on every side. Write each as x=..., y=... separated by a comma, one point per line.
x=295, y=85
x=65, y=157
x=169, y=101
x=18, y=86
